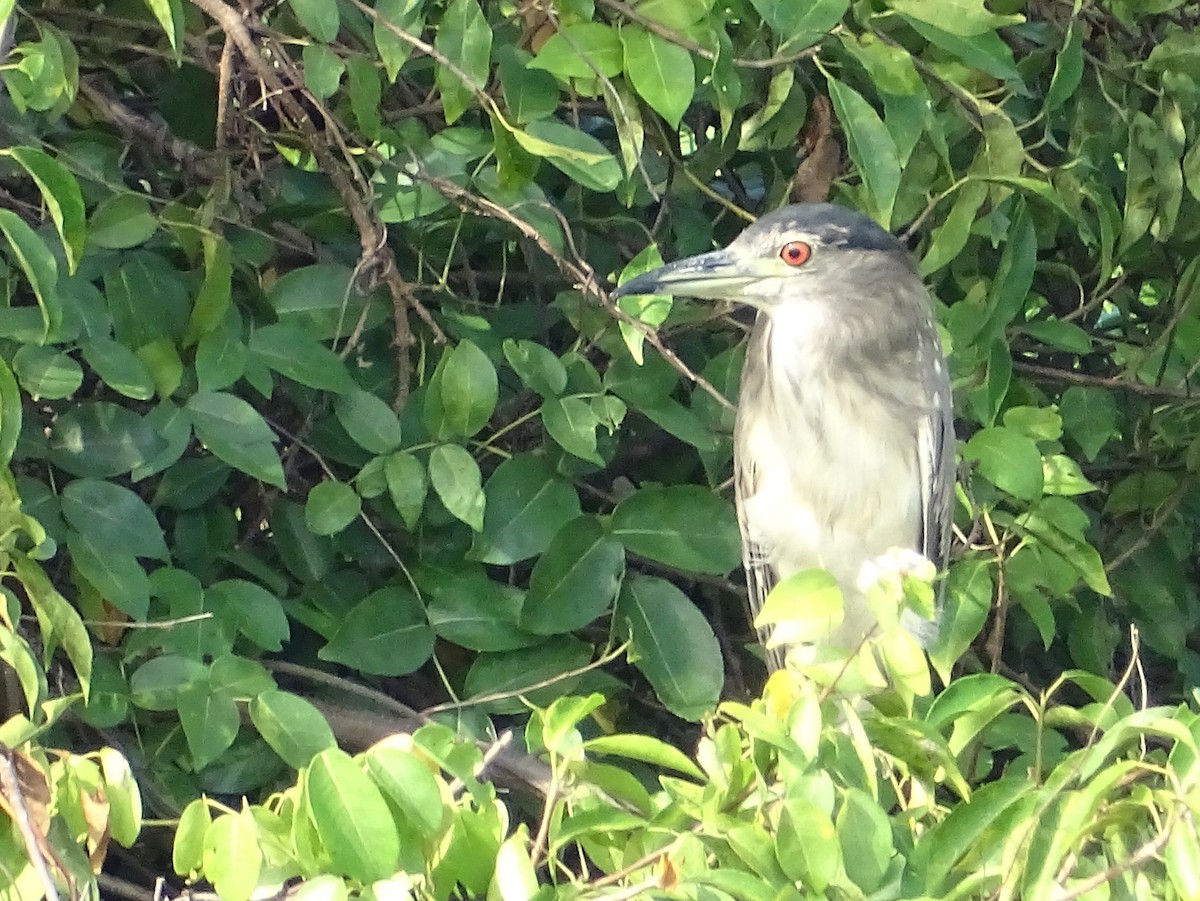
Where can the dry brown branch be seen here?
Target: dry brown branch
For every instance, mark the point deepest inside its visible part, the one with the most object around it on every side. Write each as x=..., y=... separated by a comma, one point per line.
x=342, y=173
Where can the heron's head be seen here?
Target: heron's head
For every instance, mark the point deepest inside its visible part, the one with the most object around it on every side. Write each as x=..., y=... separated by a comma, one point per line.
x=808, y=250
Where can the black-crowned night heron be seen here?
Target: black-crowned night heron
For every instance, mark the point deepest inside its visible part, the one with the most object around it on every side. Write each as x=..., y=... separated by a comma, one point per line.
x=844, y=443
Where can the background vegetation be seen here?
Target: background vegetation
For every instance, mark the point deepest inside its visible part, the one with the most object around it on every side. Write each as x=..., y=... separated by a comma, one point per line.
x=321, y=426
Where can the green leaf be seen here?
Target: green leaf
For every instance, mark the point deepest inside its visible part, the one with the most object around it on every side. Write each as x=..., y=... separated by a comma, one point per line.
x=684, y=526
x=645, y=748
x=1068, y=68
x=671, y=644
x=215, y=296
x=402, y=15
x=38, y=265
x=572, y=423
x=799, y=25
x=169, y=14
x=119, y=367
x=871, y=148
x=469, y=389
x=538, y=366
x=405, y=779
x=578, y=155
x=220, y=360
x=455, y=477
x=10, y=414
x=526, y=506
x=319, y=18
x=1089, y=417
x=964, y=18
x=575, y=580
x=156, y=684
x=807, y=605
x=210, y=721
x=351, y=817
x=1009, y=460
x=233, y=859
x=100, y=439
x=1063, y=335
x=115, y=574
x=331, y=506
x=322, y=70
x=258, y=613
x=187, y=854
x=366, y=93
x=59, y=622
x=515, y=673
x=234, y=431
x=324, y=301
x=529, y=94
x=581, y=50
x=407, y=485
x=465, y=39
x=661, y=72
x=114, y=516
x=292, y=726
x=291, y=351
x=806, y=844
x=46, y=373
x=471, y=610
x=986, y=52
x=386, y=634
x=61, y=194
x=865, y=834
x=367, y=419
x=122, y=221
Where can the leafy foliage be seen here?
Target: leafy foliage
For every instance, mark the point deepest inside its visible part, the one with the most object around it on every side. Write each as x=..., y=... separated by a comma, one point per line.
x=324, y=374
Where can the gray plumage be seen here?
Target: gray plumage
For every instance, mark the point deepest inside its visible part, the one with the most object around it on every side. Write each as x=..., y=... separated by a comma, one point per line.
x=844, y=443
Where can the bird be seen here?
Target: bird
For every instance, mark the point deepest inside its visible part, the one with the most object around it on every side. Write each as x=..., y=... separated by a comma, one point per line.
x=844, y=434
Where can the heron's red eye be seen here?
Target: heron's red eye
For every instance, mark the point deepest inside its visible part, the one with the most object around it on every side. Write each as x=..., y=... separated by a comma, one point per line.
x=795, y=253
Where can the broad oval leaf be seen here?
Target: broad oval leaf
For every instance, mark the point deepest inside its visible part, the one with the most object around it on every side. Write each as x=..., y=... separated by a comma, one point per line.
x=115, y=574
x=469, y=609
x=671, y=644
x=101, y=439
x=407, y=485
x=236, y=433
x=526, y=505
x=455, y=477
x=46, y=373
x=1009, y=460
x=119, y=367
x=577, y=154
x=575, y=580
x=258, y=613
x=684, y=526
x=368, y=419
x=871, y=148
x=660, y=71
x=535, y=673
x=351, y=817
x=331, y=506
x=114, y=517
x=386, y=634
x=320, y=18
x=291, y=350
x=469, y=389
x=292, y=726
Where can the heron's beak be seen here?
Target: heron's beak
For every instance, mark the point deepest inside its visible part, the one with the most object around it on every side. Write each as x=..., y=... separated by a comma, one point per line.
x=718, y=275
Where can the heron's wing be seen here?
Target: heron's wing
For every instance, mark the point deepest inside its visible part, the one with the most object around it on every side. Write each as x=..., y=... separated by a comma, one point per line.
x=935, y=456
x=760, y=577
